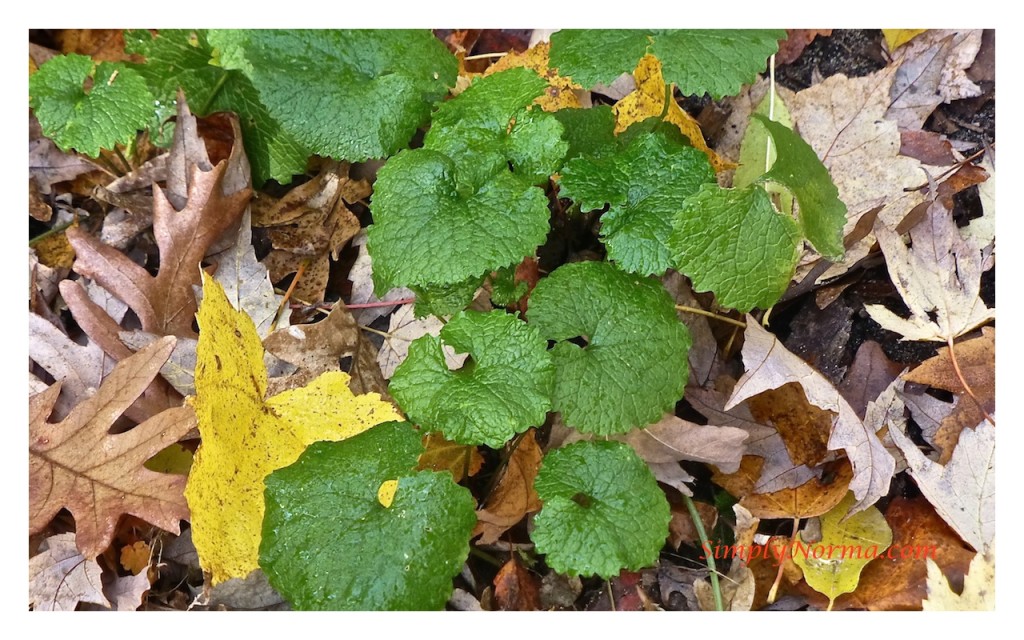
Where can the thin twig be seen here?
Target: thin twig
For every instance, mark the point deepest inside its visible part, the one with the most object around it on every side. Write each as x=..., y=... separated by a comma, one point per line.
x=288, y=294
x=698, y=524
x=50, y=232
x=611, y=595
x=963, y=381
x=952, y=169
x=383, y=334
x=380, y=303
x=708, y=314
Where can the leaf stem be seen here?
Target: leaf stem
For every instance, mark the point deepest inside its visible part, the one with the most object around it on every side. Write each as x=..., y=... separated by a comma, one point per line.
x=963, y=381
x=383, y=334
x=708, y=314
x=771, y=113
x=486, y=557
x=213, y=94
x=49, y=232
x=288, y=294
x=482, y=56
x=698, y=524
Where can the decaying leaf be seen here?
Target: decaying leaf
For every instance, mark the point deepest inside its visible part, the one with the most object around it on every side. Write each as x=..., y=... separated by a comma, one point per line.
x=940, y=274
x=310, y=224
x=405, y=328
x=979, y=593
x=80, y=368
x=770, y=365
x=361, y=276
x=963, y=491
x=515, y=588
x=977, y=361
x=514, y=496
x=126, y=593
x=165, y=303
x=442, y=455
x=59, y=576
x=648, y=101
x=833, y=564
x=813, y=498
x=737, y=589
x=246, y=282
x=932, y=70
x=76, y=464
x=245, y=435
x=560, y=92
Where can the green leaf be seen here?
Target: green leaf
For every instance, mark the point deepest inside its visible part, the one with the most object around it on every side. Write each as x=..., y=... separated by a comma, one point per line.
x=734, y=242
x=329, y=543
x=445, y=300
x=588, y=131
x=348, y=94
x=503, y=390
x=645, y=183
x=111, y=111
x=491, y=124
x=505, y=290
x=633, y=368
x=427, y=231
x=698, y=61
x=603, y=510
x=755, y=144
x=182, y=58
x=822, y=213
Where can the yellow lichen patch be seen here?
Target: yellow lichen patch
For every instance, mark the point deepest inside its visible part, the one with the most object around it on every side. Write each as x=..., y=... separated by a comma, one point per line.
x=648, y=100
x=246, y=436
x=559, y=92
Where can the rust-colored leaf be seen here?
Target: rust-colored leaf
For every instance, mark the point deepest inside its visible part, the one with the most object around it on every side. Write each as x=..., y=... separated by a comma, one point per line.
x=977, y=360
x=515, y=588
x=812, y=498
x=98, y=476
x=165, y=303
x=804, y=427
x=795, y=43
x=443, y=455
x=514, y=496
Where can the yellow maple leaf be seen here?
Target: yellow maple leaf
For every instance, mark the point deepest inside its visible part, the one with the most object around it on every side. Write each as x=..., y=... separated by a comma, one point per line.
x=896, y=38
x=559, y=92
x=648, y=100
x=246, y=436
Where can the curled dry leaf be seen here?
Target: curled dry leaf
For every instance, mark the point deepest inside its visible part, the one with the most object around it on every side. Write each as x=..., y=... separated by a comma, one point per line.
x=932, y=70
x=514, y=495
x=165, y=303
x=97, y=476
x=963, y=492
x=515, y=588
x=59, y=576
x=770, y=365
x=80, y=368
x=737, y=589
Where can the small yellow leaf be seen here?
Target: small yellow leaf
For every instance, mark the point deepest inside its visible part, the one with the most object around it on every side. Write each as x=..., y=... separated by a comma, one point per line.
x=440, y=454
x=246, y=436
x=832, y=565
x=896, y=38
x=559, y=92
x=135, y=557
x=386, y=492
x=648, y=100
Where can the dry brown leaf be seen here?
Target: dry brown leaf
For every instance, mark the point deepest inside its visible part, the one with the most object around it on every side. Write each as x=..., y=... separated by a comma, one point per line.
x=514, y=496
x=940, y=274
x=76, y=464
x=165, y=303
x=869, y=374
x=440, y=454
x=310, y=224
x=776, y=470
x=80, y=368
x=979, y=592
x=672, y=439
x=898, y=584
x=932, y=70
x=977, y=360
x=127, y=593
x=246, y=282
x=795, y=43
x=806, y=501
x=681, y=528
x=963, y=492
x=559, y=93
x=737, y=588
x=48, y=165
x=59, y=576
x=770, y=365
x=804, y=428
x=929, y=412
x=515, y=588
x=361, y=276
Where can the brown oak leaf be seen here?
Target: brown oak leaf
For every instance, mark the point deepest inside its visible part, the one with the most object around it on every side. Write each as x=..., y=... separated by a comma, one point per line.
x=98, y=476
x=165, y=303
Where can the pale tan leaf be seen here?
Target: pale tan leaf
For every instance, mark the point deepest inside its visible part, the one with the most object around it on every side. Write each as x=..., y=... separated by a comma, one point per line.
x=672, y=439
x=770, y=365
x=126, y=593
x=963, y=492
x=361, y=276
x=80, y=368
x=979, y=593
x=932, y=70
x=941, y=273
x=403, y=330
x=737, y=589
x=59, y=576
